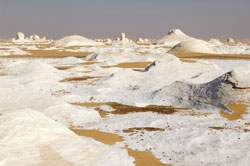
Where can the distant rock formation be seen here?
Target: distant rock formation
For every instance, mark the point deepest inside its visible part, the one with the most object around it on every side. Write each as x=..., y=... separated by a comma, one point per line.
x=123, y=39
x=108, y=40
x=230, y=41
x=123, y=36
x=173, y=37
x=75, y=40
x=20, y=36
x=34, y=37
x=215, y=41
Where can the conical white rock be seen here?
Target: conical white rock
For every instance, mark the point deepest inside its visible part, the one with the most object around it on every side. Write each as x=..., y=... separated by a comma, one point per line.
x=173, y=37
x=74, y=40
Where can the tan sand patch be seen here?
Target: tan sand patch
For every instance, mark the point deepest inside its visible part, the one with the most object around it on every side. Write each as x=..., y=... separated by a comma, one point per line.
x=239, y=109
x=104, y=137
x=63, y=67
x=129, y=130
x=145, y=158
x=187, y=60
x=209, y=56
x=236, y=128
x=60, y=92
x=121, y=109
x=217, y=128
x=72, y=79
x=142, y=158
x=130, y=65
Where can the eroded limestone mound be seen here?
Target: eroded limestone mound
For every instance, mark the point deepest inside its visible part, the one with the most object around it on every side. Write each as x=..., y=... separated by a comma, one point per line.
x=216, y=93
x=197, y=46
x=215, y=41
x=173, y=37
x=74, y=40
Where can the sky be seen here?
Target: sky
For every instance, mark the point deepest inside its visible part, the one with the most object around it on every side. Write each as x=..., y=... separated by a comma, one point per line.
x=137, y=18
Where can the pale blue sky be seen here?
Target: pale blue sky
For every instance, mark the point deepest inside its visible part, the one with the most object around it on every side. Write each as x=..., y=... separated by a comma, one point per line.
x=137, y=18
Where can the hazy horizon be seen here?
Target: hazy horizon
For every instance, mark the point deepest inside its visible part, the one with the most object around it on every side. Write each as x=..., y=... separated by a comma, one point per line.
x=140, y=18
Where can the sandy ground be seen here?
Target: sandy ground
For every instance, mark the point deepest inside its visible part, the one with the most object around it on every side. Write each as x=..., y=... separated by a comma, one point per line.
x=142, y=158
x=210, y=56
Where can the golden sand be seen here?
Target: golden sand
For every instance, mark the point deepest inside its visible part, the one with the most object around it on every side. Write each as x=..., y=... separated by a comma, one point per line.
x=142, y=158
x=83, y=78
x=60, y=92
x=63, y=67
x=239, y=109
x=130, y=65
x=142, y=128
x=145, y=158
x=121, y=109
x=210, y=56
x=187, y=60
x=104, y=137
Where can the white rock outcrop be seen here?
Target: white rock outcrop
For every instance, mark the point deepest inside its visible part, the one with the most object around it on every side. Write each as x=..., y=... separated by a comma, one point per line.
x=123, y=39
x=20, y=36
x=173, y=37
x=75, y=40
x=34, y=38
x=215, y=41
x=230, y=41
x=123, y=36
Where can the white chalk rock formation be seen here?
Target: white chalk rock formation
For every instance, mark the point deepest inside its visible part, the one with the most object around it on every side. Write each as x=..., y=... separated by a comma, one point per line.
x=34, y=38
x=139, y=40
x=215, y=41
x=123, y=36
x=20, y=36
x=192, y=46
x=173, y=37
x=99, y=40
x=123, y=39
x=108, y=40
x=230, y=41
x=75, y=40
